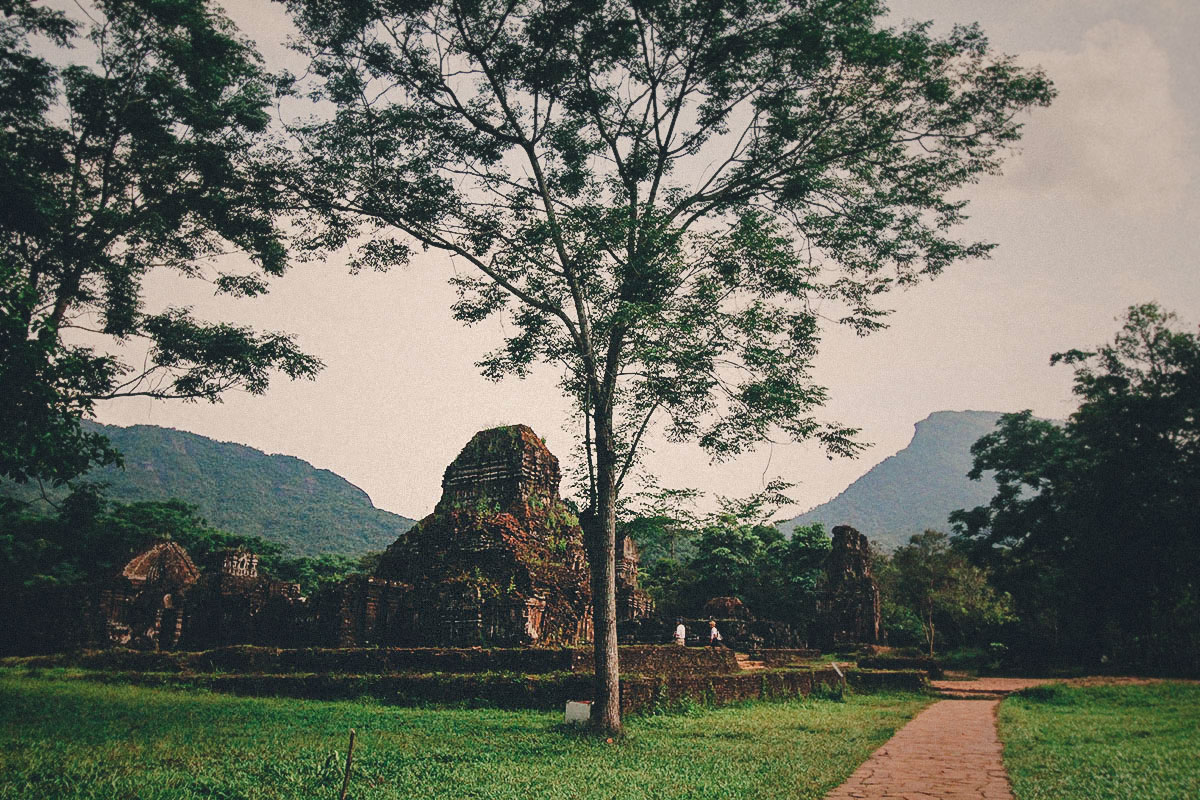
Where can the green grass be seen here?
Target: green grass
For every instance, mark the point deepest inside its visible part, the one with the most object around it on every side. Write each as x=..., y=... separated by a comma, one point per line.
x=1103, y=742
x=65, y=738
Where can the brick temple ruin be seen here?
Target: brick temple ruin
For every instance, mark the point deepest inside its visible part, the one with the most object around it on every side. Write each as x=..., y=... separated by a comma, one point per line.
x=849, y=606
x=159, y=600
x=143, y=606
x=500, y=561
x=162, y=601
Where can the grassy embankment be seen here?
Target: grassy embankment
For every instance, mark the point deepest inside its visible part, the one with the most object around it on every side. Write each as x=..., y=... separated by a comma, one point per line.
x=1103, y=742
x=64, y=738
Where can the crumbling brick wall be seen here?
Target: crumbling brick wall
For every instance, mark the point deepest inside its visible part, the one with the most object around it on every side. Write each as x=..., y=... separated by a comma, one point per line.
x=632, y=601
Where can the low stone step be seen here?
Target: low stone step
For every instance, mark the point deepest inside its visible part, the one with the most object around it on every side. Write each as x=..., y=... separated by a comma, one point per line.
x=972, y=695
x=745, y=662
x=983, y=688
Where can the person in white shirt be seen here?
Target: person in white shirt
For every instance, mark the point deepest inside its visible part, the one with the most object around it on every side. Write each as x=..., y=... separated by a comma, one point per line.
x=714, y=635
x=680, y=633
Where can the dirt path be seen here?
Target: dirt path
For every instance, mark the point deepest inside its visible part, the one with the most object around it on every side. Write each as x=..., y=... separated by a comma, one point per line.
x=947, y=752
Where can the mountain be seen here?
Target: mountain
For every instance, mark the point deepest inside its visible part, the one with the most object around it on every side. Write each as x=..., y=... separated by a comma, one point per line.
x=918, y=487
x=245, y=491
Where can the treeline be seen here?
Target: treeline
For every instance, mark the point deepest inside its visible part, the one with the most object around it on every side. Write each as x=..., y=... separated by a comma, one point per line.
x=932, y=596
x=1087, y=557
x=1094, y=530
x=686, y=559
x=282, y=499
x=90, y=538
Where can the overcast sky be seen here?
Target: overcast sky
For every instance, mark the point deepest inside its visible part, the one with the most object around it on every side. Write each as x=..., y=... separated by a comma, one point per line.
x=1100, y=211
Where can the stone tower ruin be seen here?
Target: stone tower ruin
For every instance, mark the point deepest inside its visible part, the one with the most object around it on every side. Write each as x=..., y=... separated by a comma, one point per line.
x=500, y=561
x=849, y=605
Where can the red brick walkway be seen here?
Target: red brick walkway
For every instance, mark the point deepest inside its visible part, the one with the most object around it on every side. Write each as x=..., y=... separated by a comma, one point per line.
x=947, y=752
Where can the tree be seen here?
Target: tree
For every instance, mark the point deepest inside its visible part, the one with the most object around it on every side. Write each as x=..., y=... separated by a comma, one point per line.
x=800, y=566
x=664, y=524
x=1093, y=526
x=729, y=555
x=89, y=538
x=735, y=551
x=666, y=195
x=942, y=587
x=151, y=158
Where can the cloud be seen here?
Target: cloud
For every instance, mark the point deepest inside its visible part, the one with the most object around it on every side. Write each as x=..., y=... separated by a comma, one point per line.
x=1114, y=136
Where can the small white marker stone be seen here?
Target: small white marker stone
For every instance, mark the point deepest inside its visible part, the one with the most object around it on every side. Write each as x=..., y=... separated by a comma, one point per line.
x=579, y=711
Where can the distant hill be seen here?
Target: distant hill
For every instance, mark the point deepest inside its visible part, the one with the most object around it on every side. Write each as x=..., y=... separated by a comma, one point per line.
x=242, y=490
x=918, y=487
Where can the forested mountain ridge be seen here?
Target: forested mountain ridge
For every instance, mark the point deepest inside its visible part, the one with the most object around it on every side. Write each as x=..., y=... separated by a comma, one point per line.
x=242, y=490
x=916, y=488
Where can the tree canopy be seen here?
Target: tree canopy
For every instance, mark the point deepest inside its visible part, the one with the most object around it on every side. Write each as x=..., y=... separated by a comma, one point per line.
x=689, y=558
x=661, y=193
x=943, y=589
x=144, y=149
x=1093, y=528
x=666, y=196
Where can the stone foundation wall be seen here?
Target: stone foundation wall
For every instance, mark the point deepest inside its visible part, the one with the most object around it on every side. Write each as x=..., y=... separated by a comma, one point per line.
x=549, y=691
x=929, y=666
x=639, y=694
x=865, y=680
x=741, y=634
x=646, y=660
x=786, y=657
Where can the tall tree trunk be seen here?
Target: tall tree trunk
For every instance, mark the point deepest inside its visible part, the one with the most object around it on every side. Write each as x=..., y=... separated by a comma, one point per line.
x=602, y=551
x=929, y=631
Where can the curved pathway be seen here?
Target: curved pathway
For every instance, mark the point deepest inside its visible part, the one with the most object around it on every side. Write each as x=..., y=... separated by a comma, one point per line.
x=947, y=752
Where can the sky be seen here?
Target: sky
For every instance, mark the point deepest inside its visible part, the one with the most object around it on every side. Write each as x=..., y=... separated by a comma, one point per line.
x=1099, y=211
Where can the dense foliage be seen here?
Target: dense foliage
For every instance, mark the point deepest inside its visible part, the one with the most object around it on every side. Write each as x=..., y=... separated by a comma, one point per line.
x=281, y=499
x=1094, y=530
x=688, y=559
x=144, y=155
x=951, y=600
x=90, y=539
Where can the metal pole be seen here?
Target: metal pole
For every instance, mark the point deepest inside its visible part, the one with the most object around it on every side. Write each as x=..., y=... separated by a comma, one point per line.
x=349, y=758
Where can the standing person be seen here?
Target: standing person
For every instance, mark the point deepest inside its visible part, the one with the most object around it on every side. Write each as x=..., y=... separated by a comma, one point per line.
x=680, y=633
x=714, y=635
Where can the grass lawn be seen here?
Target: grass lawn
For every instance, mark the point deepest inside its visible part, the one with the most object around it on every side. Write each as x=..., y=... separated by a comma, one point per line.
x=1103, y=742
x=66, y=738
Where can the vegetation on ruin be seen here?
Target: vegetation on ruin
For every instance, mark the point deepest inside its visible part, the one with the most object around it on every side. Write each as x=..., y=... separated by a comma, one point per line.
x=502, y=442
x=74, y=740
x=1111, y=742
